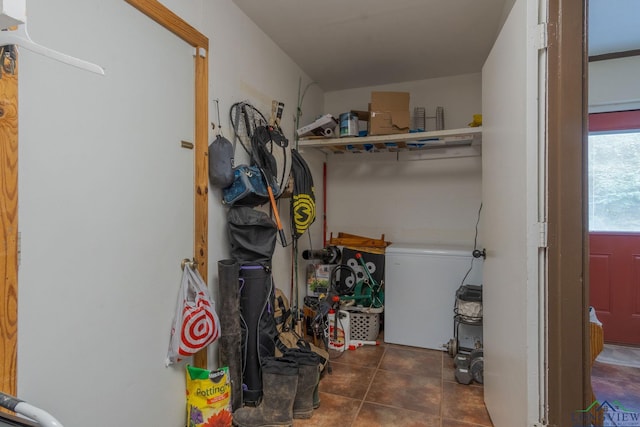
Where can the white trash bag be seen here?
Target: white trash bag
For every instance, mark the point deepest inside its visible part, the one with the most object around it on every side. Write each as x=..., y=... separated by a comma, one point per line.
x=196, y=324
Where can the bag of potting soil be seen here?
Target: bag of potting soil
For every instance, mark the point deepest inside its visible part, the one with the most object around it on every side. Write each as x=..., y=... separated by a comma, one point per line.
x=208, y=397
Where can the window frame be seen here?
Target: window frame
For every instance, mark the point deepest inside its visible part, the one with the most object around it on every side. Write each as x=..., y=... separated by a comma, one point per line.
x=610, y=123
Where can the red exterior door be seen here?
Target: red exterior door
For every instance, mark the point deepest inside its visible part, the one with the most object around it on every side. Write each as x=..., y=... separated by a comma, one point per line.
x=614, y=224
x=614, y=271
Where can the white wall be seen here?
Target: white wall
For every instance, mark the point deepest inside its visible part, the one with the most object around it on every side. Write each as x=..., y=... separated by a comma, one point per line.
x=246, y=65
x=106, y=199
x=427, y=201
x=613, y=85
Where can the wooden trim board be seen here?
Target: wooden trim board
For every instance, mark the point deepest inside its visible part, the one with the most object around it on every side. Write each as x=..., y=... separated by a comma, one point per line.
x=172, y=22
x=9, y=230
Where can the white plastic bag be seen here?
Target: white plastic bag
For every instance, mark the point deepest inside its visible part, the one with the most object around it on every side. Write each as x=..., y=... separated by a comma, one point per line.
x=195, y=324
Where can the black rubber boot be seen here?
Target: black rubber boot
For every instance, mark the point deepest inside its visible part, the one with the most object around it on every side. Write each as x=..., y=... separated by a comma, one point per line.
x=230, y=341
x=316, y=395
x=316, y=390
x=279, y=383
x=308, y=378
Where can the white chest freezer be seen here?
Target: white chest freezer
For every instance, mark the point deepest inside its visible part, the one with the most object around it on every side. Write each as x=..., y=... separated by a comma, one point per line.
x=420, y=286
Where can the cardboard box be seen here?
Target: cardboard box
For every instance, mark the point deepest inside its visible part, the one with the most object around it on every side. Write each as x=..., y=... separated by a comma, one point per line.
x=318, y=276
x=389, y=113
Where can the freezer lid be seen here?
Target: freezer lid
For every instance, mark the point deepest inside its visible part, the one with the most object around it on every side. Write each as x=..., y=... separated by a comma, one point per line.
x=428, y=249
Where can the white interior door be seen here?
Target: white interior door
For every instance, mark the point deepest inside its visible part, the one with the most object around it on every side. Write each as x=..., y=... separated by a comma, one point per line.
x=106, y=215
x=510, y=216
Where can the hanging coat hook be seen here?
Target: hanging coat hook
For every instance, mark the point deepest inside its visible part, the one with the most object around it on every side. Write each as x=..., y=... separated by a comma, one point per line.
x=217, y=101
x=190, y=263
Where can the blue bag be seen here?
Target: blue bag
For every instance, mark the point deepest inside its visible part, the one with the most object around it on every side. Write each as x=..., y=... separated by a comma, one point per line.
x=248, y=187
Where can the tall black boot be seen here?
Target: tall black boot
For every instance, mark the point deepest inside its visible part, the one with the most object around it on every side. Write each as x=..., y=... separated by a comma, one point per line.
x=279, y=383
x=308, y=378
x=230, y=341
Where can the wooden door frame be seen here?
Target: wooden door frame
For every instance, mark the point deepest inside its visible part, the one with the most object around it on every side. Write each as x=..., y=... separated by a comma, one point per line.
x=172, y=22
x=9, y=230
x=568, y=360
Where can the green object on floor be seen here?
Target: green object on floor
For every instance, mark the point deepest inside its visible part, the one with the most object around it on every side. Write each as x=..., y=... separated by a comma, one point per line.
x=367, y=292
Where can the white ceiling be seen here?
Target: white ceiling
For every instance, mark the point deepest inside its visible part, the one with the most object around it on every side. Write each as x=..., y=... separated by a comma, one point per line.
x=614, y=26
x=345, y=44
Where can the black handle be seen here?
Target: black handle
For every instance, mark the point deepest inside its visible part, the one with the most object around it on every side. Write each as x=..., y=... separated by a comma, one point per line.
x=8, y=402
x=480, y=253
x=283, y=238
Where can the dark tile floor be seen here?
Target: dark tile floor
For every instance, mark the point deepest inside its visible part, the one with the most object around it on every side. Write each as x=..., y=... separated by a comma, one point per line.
x=617, y=383
x=392, y=385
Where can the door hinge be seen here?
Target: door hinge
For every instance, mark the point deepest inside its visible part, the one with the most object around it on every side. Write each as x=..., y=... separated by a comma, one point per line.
x=541, y=36
x=542, y=233
x=19, y=247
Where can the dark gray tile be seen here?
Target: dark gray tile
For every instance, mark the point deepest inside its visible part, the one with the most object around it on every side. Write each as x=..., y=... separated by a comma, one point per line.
x=394, y=385
x=368, y=356
x=407, y=360
x=347, y=380
x=464, y=403
x=419, y=393
x=372, y=414
x=334, y=411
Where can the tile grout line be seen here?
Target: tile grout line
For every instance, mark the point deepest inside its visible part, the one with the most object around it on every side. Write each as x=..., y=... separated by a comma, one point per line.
x=375, y=371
